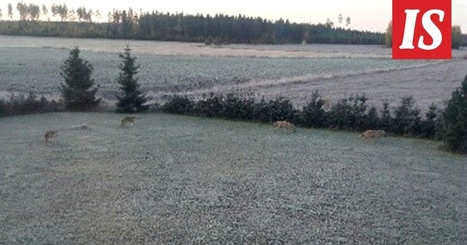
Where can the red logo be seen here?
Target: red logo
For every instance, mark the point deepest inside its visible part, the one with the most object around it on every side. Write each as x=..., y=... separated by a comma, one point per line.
x=421, y=29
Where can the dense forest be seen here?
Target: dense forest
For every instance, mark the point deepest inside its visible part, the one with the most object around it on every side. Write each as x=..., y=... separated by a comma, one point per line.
x=217, y=29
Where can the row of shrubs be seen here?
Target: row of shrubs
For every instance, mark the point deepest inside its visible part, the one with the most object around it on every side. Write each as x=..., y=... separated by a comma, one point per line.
x=352, y=114
x=27, y=104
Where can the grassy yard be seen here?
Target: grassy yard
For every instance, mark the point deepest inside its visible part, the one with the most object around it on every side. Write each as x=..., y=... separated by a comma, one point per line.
x=183, y=180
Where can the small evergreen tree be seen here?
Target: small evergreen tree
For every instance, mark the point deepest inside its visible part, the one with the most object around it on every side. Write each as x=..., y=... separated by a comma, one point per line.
x=77, y=91
x=282, y=109
x=429, y=124
x=340, y=116
x=349, y=113
x=209, y=105
x=237, y=107
x=313, y=114
x=386, y=118
x=453, y=130
x=358, y=112
x=178, y=105
x=371, y=118
x=407, y=118
x=132, y=100
x=261, y=111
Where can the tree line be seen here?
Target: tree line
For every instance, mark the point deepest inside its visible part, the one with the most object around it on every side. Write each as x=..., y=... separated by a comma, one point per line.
x=217, y=29
x=33, y=12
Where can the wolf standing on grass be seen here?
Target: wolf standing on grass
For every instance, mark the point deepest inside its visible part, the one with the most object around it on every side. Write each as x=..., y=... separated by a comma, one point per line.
x=285, y=125
x=49, y=135
x=371, y=134
x=128, y=120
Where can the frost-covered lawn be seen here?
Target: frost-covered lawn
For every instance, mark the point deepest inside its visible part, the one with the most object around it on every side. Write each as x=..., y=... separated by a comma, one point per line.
x=183, y=180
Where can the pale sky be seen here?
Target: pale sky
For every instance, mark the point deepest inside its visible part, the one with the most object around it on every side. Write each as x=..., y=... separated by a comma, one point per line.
x=372, y=15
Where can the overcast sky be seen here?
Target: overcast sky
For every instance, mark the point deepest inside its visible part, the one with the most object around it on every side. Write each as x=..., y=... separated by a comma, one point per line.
x=373, y=15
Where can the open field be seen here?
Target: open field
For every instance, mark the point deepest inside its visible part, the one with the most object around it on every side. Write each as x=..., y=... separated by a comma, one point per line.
x=182, y=180
x=292, y=71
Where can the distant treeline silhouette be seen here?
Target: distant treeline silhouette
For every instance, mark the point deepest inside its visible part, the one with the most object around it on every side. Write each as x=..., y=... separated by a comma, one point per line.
x=216, y=29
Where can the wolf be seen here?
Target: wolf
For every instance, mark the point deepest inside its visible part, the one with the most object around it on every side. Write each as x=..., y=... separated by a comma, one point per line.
x=371, y=134
x=128, y=120
x=286, y=125
x=49, y=135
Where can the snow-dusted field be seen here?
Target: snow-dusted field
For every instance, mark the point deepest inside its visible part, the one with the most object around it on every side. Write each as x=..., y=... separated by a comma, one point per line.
x=182, y=180
x=293, y=71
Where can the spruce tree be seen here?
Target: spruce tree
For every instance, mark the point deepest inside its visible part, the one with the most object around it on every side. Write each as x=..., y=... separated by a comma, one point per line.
x=454, y=120
x=407, y=118
x=429, y=124
x=77, y=90
x=132, y=100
